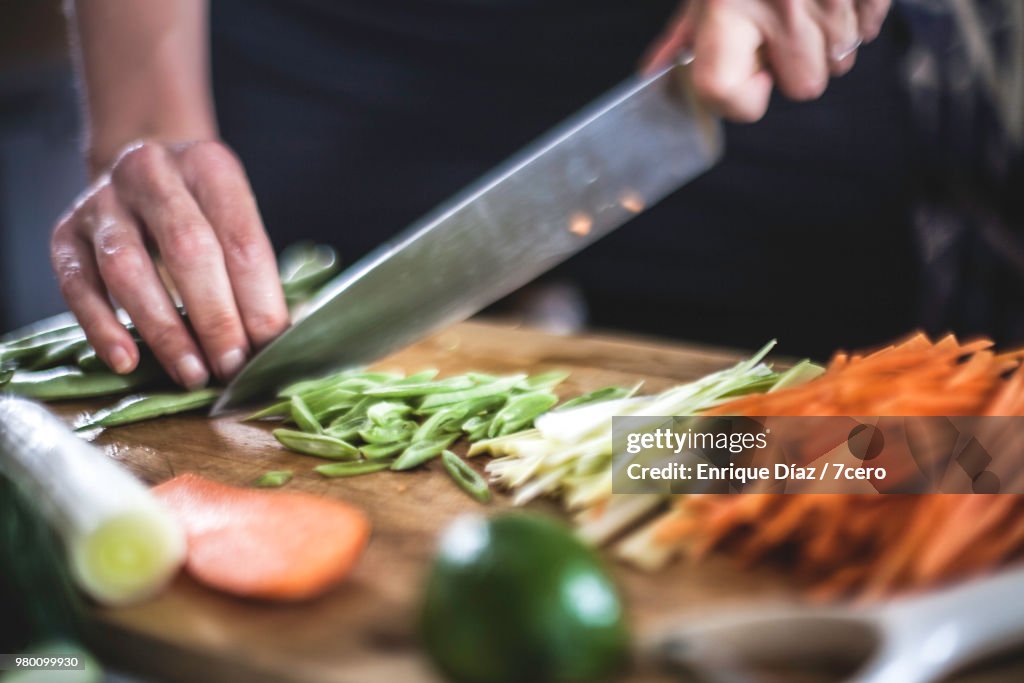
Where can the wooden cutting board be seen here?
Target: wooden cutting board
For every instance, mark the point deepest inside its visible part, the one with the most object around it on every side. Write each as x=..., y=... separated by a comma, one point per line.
x=363, y=631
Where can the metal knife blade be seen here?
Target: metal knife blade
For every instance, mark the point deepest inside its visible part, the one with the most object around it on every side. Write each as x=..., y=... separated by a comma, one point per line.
x=617, y=157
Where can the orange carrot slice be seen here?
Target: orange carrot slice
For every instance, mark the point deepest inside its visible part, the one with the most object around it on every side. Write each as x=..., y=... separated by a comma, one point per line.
x=273, y=545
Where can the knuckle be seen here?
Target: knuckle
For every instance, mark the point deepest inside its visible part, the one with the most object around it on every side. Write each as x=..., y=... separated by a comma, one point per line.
x=266, y=325
x=122, y=267
x=245, y=248
x=165, y=336
x=72, y=283
x=63, y=231
x=790, y=11
x=219, y=325
x=187, y=244
x=750, y=114
x=712, y=87
x=210, y=155
x=806, y=88
x=140, y=162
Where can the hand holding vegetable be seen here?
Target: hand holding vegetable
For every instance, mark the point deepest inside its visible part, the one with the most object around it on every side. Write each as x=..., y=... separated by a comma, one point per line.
x=744, y=48
x=192, y=201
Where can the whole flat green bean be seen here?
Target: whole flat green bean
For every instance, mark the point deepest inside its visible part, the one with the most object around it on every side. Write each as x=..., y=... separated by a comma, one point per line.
x=55, y=324
x=520, y=412
x=67, y=382
x=149, y=406
x=352, y=469
x=303, y=417
x=57, y=353
x=320, y=445
x=29, y=352
x=422, y=451
x=88, y=360
x=468, y=479
x=6, y=373
x=273, y=479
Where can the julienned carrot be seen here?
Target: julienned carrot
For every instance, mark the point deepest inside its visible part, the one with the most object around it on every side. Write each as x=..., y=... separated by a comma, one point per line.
x=872, y=545
x=265, y=544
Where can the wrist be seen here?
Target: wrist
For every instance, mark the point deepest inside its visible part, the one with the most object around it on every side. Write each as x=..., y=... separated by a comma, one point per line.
x=101, y=151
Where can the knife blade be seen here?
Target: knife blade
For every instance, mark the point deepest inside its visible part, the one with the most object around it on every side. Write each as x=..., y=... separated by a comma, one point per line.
x=594, y=172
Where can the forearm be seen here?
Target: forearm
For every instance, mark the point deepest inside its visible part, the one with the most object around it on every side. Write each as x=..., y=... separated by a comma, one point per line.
x=144, y=70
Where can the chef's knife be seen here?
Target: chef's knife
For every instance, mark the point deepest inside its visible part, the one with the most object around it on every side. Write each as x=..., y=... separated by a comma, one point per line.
x=597, y=170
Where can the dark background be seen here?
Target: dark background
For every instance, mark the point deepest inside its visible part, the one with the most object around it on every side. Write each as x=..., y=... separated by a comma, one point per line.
x=354, y=118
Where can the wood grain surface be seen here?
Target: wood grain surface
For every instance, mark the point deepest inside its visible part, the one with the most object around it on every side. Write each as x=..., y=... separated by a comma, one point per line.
x=363, y=632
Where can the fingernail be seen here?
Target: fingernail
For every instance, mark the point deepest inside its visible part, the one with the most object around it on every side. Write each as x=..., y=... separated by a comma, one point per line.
x=191, y=372
x=120, y=360
x=231, y=362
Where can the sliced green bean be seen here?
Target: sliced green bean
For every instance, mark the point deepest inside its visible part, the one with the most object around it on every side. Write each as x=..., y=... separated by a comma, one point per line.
x=417, y=377
x=387, y=411
x=543, y=381
x=320, y=445
x=305, y=267
x=345, y=379
x=279, y=409
x=442, y=386
x=328, y=400
x=476, y=427
x=468, y=479
x=495, y=388
x=422, y=451
x=307, y=385
x=273, y=479
x=303, y=417
x=360, y=408
x=473, y=406
x=520, y=411
x=352, y=469
x=445, y=421
x=379, y=451
x=149, y=406
x=398, y=430
x=68, y=382
x=482, y=377
x=346, y=428
x=602, y=394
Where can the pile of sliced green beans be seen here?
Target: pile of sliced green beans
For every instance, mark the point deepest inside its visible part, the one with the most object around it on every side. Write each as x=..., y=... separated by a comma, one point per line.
x=373, y=421
x=51, y=360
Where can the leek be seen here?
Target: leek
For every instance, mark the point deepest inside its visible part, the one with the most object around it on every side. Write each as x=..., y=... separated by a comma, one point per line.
x=120, y=544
